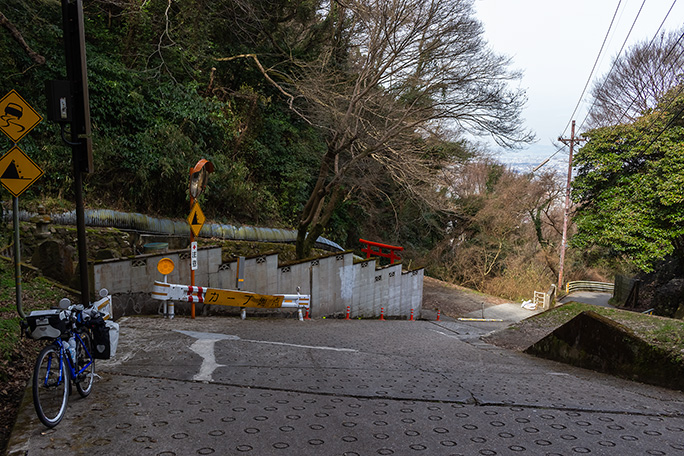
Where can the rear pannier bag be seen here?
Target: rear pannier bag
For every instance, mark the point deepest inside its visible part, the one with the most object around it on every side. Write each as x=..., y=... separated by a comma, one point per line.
x=47, y=324
x=105, y=339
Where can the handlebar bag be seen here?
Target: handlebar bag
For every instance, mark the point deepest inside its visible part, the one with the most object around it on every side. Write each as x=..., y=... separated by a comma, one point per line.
x=47, y=324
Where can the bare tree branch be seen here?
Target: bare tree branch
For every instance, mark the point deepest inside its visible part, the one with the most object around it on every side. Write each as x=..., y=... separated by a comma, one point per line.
x=14, y=32
x=291, y=98
x=387, y=77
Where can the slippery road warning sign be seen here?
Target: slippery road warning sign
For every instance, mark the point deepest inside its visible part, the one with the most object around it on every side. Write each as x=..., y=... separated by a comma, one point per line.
x=17, y=117
x=17, y=171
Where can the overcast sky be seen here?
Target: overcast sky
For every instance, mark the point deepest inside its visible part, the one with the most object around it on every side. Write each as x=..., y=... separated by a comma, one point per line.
x=555, y=43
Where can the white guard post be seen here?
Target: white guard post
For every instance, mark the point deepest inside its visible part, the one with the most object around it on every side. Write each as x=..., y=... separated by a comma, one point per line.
x=171, y=292
x=104, y=305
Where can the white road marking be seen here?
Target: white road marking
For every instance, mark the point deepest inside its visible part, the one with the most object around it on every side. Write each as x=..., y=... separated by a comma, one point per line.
x=205, y=348
x=302, y=346
x=205, y=344
x=209, y=336
x=445, y=334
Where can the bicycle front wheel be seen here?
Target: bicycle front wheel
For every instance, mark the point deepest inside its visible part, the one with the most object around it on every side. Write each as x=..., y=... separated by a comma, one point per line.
x=84, y=380
x=50, y=386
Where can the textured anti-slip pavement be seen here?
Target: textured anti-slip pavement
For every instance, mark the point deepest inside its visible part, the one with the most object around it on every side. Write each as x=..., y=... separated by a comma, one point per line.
x=334, y=387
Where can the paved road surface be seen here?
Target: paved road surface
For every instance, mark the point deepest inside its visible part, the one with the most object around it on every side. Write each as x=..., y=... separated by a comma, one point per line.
x=336, y=387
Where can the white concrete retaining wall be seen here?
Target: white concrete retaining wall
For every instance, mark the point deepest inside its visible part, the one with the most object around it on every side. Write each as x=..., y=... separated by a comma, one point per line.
x=334, y=282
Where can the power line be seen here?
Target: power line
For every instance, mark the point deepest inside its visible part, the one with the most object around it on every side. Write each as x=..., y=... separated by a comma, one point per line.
x=611, y=69
x=674, y=98
x=598, y=56
x=681, y=87
x=655, y=35
x=548, y=159
x=596, y=63
x=614, y=61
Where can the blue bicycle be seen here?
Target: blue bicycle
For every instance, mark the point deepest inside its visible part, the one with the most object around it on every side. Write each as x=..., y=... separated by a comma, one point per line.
x=67, y=359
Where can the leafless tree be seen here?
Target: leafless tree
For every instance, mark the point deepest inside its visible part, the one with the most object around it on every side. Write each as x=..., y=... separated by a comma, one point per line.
x=506, y=236
x=638, y=80
x=390, y=77
x=414, y=69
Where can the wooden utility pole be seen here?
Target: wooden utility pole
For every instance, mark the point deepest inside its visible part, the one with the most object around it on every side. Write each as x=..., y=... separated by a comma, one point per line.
x=570, y=142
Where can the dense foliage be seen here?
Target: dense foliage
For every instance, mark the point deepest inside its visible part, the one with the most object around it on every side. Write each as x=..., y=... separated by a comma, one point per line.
x=629, y=186
x=287, y=97
x=311, y=111
x=155, y=112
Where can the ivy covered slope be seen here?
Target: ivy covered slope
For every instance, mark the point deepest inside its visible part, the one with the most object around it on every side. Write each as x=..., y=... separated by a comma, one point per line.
x=341, y=119
x=629, y=187
x=155, y=112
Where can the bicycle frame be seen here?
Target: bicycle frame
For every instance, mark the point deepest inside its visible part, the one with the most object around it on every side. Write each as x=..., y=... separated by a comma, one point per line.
x=63, y=355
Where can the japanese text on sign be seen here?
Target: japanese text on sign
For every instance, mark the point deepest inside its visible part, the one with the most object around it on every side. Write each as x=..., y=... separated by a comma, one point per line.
x=193, y=255
x=241, y=299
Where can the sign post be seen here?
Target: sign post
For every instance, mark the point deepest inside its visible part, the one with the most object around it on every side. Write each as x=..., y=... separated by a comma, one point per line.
x=199, y=175
x=17, y=171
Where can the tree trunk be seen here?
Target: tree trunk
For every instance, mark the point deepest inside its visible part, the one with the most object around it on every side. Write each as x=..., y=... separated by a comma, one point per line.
x=317, y=212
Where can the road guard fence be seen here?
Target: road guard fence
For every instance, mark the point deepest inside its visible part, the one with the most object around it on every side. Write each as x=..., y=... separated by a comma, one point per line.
x=545, y=300
x=170, y=292
x=586, y=285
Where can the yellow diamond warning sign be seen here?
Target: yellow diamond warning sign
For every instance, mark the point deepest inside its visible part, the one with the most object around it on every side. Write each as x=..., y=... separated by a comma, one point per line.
x=17, y=117
x=18, y=171
x=196, y=219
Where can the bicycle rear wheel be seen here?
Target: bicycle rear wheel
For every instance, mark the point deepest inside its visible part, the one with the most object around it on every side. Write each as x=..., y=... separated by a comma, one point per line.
x=50, y=386
x=84, y=380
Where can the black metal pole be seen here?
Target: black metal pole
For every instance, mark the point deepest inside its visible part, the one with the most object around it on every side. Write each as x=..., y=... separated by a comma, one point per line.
x=81, y=142
x=17, y=256
x=81, y=232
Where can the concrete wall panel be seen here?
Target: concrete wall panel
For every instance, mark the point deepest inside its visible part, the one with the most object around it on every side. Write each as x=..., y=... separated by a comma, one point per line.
x=334, y=282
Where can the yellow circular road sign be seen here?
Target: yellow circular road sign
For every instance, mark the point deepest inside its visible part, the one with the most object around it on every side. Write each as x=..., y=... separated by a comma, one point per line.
x=165, y=266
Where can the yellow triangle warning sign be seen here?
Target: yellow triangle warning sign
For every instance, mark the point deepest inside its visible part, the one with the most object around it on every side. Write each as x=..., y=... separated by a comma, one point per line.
x=196, y=219
x=17, y=171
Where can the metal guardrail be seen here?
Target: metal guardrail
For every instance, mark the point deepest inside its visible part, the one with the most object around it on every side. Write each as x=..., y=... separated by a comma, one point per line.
x=585, y=285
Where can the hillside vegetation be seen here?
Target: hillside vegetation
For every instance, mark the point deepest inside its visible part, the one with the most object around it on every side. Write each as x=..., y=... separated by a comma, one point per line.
x=325, y=117
x=171, y=83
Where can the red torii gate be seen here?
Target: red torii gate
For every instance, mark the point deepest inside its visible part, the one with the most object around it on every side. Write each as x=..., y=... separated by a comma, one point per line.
x=392, y=249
